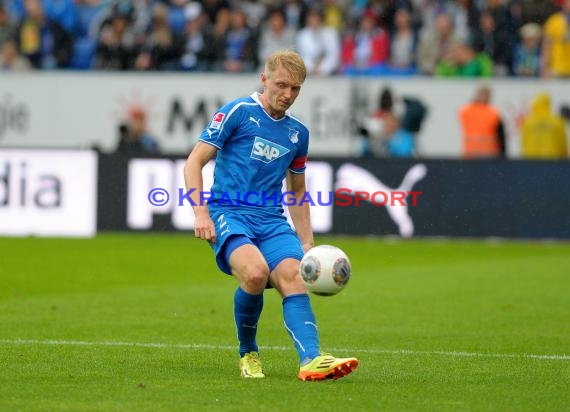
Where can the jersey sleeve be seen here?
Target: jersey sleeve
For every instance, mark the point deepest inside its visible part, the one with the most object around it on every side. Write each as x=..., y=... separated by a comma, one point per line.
x=298, y=164
x=221, y=126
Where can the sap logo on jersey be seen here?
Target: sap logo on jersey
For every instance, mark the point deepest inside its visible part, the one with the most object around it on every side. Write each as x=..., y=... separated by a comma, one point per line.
x=267, y=151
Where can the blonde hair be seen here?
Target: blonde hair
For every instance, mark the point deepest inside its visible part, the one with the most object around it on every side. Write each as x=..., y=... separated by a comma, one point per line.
x=290, y=61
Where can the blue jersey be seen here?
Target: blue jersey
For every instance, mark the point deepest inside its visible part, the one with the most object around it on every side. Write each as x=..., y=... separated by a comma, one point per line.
x=254, y=153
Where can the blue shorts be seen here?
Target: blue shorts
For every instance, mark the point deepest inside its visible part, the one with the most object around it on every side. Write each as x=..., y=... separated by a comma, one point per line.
x=271, y=234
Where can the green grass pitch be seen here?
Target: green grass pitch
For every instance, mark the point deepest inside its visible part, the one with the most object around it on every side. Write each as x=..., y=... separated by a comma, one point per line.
x=144, y=322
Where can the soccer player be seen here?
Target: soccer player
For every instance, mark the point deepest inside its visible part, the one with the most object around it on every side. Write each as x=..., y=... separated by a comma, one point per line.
x=257, y=143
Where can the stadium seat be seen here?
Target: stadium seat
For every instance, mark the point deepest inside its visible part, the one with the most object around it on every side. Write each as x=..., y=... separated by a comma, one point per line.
x=85, y=15
x=15, y=9
x=176, y=19
x=83, y=51
x=379, y=70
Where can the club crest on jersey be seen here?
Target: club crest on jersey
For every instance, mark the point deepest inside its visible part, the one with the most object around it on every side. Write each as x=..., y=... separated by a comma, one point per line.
x=217, y=120
x=267, y=151
x=293, y=135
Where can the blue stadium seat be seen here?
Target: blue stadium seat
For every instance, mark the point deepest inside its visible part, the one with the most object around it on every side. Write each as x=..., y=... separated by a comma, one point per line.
x=15, y=9
x=176, y=19
x=85, y=15
x=379, y=70
x=83, y=51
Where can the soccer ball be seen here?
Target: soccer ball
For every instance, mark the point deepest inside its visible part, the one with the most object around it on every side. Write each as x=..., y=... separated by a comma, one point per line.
x=325, y=270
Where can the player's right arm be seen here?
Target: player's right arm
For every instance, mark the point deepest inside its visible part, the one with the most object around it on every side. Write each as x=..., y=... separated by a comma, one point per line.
x=201, y=154
x=213, y=138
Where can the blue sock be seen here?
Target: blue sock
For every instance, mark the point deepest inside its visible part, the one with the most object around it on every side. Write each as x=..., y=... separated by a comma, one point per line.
x=247, y=309
x=301, y=324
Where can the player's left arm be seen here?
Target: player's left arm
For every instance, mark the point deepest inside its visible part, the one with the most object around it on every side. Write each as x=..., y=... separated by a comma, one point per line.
x=300, y=212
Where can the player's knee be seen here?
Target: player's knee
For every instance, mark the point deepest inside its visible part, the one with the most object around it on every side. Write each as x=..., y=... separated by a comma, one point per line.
x=288, y=280
x=254, y=276
x=293, y=278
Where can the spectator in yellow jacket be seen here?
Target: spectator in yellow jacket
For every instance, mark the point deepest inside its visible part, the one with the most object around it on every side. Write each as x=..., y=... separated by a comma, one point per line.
x=556, y=44
x=543, y=132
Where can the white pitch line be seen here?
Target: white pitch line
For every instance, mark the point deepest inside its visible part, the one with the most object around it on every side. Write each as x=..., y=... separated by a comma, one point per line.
x=281, y=348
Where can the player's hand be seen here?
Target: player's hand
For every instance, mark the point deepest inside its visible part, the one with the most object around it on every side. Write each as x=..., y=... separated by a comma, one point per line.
x=204, y=228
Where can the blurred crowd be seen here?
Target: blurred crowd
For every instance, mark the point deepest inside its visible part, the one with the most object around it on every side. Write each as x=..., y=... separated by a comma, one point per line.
x=447, y=38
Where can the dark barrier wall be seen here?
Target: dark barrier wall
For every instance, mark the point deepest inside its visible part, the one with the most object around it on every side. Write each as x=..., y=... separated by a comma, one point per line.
x=512, y=199
x=112, y=193
x=515, y=199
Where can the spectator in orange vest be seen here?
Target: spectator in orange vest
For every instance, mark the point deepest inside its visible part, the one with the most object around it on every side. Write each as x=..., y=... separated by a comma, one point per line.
x=483, y=130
